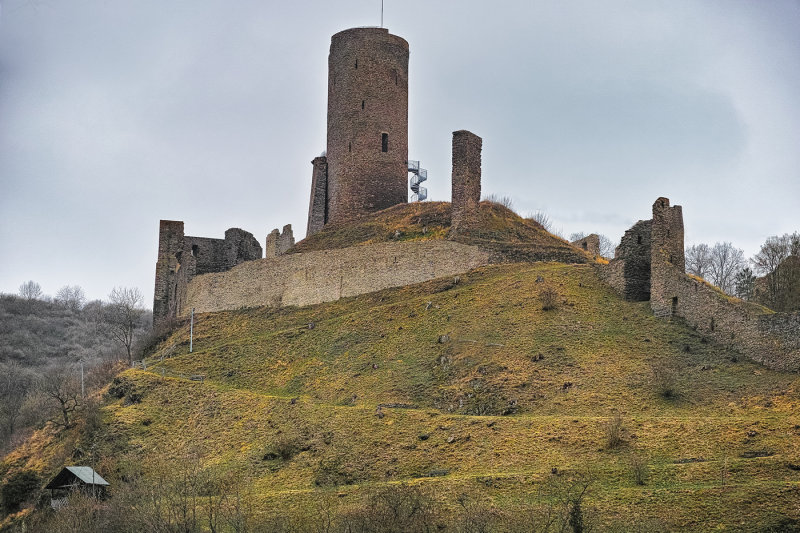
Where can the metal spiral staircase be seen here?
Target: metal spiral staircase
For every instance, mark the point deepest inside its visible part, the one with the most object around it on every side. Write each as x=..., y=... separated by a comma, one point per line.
x=420, y=175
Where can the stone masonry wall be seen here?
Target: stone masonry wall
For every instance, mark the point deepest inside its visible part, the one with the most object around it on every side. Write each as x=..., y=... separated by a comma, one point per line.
x=629, y=271
x=772, y=339
x=466, y=194
x=649, y=264
x=667, y=253
x=318, y=205
x=279, y=242
x=322, y=276
x=181, y=257
x=590, y=243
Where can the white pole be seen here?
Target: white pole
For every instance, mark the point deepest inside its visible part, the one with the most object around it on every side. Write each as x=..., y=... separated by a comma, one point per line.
x=191, y=332
x=83, y=391
x=381, y=13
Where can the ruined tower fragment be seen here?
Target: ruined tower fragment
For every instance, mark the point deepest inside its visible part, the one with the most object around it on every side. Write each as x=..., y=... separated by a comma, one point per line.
x=367, y=149
x=466, y=193
x=279, y=242
x=318, y=205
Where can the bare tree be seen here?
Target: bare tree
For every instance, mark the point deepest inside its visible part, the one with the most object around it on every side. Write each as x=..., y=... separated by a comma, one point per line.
x=726, y=262
x=542, y=219
x=578, y=235
x=124, y=315
x=60, y=385
x=607, y=247
x=781, y=275
x=698, y=260
x=745, y=284
x=71, y=297
x=30, y=290
x=14, y=385
x=772, y=254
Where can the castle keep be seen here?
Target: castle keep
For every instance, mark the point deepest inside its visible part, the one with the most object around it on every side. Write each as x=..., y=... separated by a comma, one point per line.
x=365, y=170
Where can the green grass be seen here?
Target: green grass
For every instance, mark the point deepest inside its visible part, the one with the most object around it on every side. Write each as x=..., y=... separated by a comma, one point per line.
x=560, y=375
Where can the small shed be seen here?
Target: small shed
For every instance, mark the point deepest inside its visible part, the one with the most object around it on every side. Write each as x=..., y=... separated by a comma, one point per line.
x=77, y=478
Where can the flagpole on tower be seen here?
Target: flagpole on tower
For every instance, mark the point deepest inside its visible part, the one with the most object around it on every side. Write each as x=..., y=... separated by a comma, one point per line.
x=381, y=13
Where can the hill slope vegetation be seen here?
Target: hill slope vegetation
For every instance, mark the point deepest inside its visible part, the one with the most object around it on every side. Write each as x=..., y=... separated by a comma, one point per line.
x=454, y=403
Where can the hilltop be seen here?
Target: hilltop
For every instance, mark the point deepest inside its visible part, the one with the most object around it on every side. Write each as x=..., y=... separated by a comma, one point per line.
x=467, y=390
x=493, y=226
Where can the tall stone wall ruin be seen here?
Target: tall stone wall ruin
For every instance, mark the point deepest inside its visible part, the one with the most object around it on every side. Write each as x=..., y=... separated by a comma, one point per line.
x=466, y=193
x=182, y=257
x=279, y=242
x=318, y=204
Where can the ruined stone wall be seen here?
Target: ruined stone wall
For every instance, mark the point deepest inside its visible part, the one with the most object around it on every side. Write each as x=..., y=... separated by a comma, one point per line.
x=279, y=242
x=322, y=276
x=667, y=233
x=466, y=194
x=170, y=247
x=318, y=205
x=629, y=271
x=667, y=254
x=772, y=339
x=367, y=149
x=590, y=243
x=181, y=257
x=649, y=264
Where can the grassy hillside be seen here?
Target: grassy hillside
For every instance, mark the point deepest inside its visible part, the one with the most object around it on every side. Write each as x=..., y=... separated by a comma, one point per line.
x=470, y=391
x=494, y=226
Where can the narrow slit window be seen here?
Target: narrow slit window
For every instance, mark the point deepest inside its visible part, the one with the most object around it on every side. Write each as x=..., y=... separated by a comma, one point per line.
x=362, y=104
x=639, y=239
x=674, y=304
x=195, y=249
x=356, y=62
x=384, y=142
x=349, y=147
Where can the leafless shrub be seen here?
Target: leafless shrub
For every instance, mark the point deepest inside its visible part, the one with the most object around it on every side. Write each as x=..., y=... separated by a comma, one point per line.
x=549, y=297
x=394, y=509
x=639, y=468
x=505, y=201
x=613, y=430
x=665, y=380
x=541, y=218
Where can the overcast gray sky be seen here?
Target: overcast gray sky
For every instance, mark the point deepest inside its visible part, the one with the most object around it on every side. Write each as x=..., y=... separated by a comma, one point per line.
x=115, y=114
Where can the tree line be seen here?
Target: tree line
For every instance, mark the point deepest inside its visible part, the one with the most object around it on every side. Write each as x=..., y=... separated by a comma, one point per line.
x=55, y=350
x=771, y=277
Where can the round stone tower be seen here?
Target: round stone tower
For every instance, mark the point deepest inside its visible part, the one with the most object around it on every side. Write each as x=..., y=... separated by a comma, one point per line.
x=367, y=122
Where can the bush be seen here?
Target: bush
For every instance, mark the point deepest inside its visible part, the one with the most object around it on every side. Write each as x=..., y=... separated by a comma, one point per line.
x=549, y=298
x=394, y=509
x=665, y=380
x=18, y=489
x=613, y=430
x=639, y=469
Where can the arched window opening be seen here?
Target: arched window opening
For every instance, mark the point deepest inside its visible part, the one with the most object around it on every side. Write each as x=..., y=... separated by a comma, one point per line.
x=384, y=142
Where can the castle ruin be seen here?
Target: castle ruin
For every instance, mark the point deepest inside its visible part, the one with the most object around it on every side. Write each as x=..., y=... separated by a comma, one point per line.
x=365, y=170
x=649, y=265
